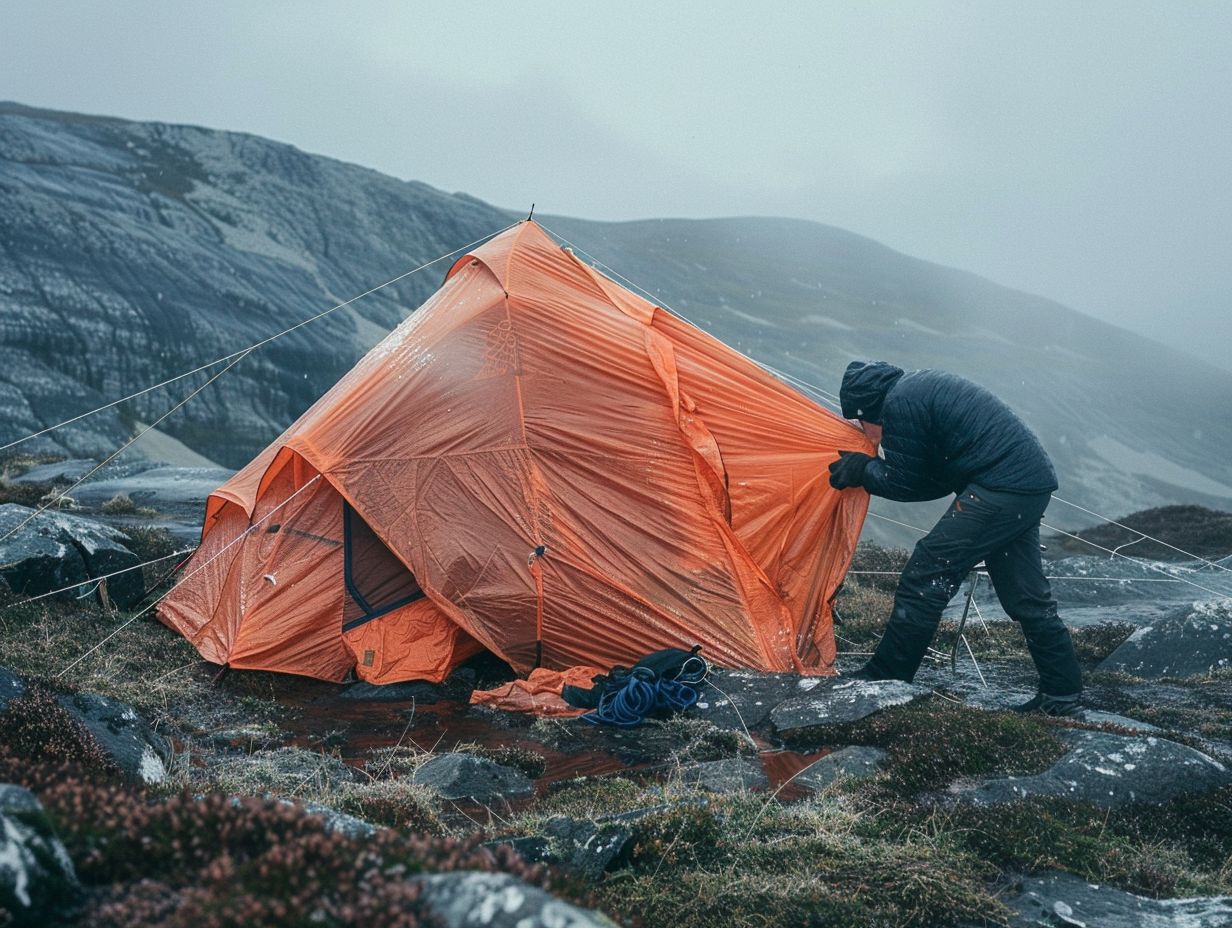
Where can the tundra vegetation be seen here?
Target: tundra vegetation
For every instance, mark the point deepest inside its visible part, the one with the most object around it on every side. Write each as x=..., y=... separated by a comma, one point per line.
x=242, y=830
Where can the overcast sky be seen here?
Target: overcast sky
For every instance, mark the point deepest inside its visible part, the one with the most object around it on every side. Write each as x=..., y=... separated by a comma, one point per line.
x=1077, y=150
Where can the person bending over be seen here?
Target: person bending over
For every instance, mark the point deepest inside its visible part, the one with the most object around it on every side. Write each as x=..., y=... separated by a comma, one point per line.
x=942, y=434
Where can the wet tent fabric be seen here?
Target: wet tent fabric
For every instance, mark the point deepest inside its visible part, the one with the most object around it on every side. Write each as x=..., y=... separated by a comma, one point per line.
x=540, y=463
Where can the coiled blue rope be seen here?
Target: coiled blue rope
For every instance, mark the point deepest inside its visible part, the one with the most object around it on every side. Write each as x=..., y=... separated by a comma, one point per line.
x=642, y=693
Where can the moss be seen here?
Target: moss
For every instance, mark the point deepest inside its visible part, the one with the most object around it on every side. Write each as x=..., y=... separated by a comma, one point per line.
x=862, y=612
x=1095, y=642
x=1177, y=848
x=528, y=762
x=702, y=740
x=595, y=797
x=748, y=862
x=393, y=804
x=933, y=742
x=882, y=565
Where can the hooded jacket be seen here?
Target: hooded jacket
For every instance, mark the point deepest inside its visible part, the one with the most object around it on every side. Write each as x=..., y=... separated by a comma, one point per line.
x=941, y=433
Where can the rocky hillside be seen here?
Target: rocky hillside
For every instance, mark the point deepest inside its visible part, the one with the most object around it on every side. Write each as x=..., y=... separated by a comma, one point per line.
x=130, y=252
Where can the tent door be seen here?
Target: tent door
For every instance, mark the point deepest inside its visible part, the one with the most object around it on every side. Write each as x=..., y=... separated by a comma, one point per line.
x=377, y=582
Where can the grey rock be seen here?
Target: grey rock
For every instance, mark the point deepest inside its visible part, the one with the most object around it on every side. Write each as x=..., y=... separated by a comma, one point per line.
x=179, y=492
x=852, y=762
x=730, y=775
x=11, y=686
x=137, y=749
x=37, y=880
x=1109, y=770
x=837, y=701
x=742, y=699
x=68, y=471
x=115, y=231
x=589, y=847
x=51, y=550
x=1096, y=717
x=350, y=826
x=1196, y=639
x=497, y=900
x=1058, y=899
x=465, y=776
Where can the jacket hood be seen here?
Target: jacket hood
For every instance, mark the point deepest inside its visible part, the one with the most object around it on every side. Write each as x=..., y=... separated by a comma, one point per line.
x=864, y=389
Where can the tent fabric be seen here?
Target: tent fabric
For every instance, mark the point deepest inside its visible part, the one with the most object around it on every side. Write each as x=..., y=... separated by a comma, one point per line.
x=553, y=469
x=540, y=693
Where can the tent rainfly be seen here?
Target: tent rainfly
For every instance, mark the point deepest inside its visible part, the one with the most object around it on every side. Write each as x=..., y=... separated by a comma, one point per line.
x=539, y=463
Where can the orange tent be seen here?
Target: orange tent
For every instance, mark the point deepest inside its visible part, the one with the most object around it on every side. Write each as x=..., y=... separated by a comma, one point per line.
x=540, y=463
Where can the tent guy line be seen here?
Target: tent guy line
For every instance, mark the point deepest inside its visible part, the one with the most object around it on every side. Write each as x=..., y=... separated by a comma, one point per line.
x=803, y=385
x=236, y=357
x=1144, y=535
x=1132, y=560
x=832, y=399
x=219, y=554
x=898, y=573
x=260, y=344
x=93, y=581
x=119, y=451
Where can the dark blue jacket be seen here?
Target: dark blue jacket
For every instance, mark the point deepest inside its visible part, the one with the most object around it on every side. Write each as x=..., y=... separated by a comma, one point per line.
x=941, y=432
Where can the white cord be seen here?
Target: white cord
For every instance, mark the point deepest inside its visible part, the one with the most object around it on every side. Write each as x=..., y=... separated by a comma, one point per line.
x=253, y=347
x=188, y=576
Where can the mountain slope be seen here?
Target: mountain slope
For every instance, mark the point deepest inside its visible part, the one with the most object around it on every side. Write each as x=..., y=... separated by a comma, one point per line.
x=130, y=252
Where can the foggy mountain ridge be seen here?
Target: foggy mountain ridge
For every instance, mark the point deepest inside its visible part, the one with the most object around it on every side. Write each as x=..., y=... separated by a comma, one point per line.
x=130, y=252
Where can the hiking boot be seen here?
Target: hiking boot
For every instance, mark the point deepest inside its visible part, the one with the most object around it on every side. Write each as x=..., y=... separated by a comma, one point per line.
x=1056, y=706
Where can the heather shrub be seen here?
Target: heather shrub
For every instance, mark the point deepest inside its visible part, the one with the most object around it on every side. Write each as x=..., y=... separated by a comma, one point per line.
x=37, y=729
x=218, y=860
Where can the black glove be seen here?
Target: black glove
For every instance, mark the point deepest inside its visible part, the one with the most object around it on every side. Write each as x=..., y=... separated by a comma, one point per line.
x=848, y=470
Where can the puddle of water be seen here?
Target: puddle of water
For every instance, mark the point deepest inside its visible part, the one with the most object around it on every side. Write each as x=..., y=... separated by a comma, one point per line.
x=781, y=769
x=355, y=729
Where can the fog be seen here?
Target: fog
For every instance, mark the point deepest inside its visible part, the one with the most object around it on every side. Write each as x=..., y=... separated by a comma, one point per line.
x=1079, y=151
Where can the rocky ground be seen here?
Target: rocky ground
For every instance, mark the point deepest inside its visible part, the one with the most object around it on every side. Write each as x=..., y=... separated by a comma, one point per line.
x=145, y=792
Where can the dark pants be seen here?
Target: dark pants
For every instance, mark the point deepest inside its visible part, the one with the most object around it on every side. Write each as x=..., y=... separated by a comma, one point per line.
x=1002, y=530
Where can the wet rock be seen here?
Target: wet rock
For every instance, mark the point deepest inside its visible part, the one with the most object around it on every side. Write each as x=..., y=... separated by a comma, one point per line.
x=1109, y=770
x=742, y=699
x=836, y=701
x=1058, y=899
x=53, y=551
x=11, y=686
x=136, y=748
x=731, y=775
x=854, y=762
x=37, y=881
x=589, y=847
x=497, y=900
x=347, y=825
x=1196, y=639
x=465, y=776
x=1096, y=717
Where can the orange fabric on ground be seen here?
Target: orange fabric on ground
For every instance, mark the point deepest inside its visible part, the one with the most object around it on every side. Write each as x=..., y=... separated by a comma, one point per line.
x=571, y=476
x=539, y=693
